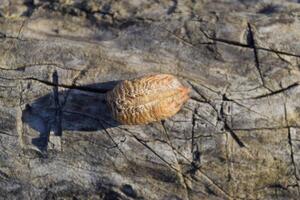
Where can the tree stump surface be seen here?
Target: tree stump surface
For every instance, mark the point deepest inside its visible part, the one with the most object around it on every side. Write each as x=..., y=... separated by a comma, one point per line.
x=238, y=137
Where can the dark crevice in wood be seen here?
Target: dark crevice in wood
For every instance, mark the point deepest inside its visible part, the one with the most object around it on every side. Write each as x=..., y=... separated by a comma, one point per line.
x=227, y=128
x=82, y=88
x=252, y=44
x=235, y=43
x=58, y=110
x=277, y=91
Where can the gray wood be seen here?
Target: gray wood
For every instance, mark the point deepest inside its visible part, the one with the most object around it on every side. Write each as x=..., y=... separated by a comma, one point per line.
x=236, y=138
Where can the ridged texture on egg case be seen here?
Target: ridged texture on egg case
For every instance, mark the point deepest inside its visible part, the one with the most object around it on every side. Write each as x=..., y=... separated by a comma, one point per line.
x=147, y=99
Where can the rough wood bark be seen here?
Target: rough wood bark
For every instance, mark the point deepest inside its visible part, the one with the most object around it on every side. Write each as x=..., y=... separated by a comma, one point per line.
x=236, y=138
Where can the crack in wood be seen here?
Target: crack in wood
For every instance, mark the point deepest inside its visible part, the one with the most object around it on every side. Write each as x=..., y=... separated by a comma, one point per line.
x=292, y=86
x=252, y=44
x=58, y=107
x=235, y=43
x=193, y=130
x=293, y=159
x=82, y=88
x=264, y=128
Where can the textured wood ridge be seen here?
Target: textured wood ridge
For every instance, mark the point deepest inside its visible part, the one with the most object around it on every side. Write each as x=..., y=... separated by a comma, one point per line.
x=147, y=99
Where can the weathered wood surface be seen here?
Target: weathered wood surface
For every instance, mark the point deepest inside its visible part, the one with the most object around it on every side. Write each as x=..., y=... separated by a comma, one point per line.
x=236, y=138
